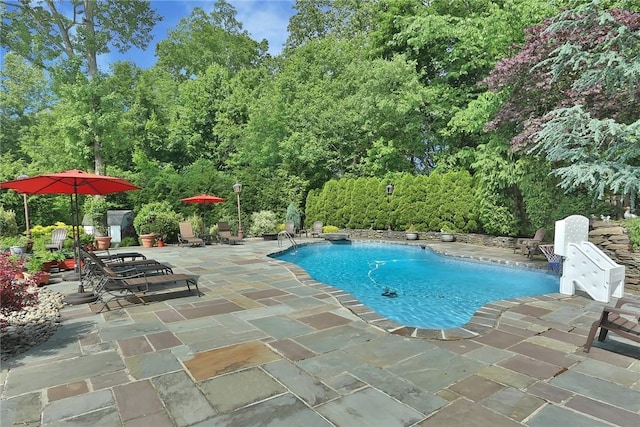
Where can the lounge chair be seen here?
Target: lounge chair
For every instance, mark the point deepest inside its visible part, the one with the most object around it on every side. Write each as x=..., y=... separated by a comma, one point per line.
x=187, y=236
x=290, y=227
x=623, y=322
x=224, y=234
x=57, y=239
x=113, y=286
x=529, y=247
x=107, y=256
x=135, y=266
x=317, y=229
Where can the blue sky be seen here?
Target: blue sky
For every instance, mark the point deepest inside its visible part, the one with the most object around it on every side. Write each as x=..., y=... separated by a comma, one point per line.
x=263, y=19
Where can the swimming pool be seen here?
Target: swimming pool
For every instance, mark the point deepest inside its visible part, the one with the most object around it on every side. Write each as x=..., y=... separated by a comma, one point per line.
x=433, y=291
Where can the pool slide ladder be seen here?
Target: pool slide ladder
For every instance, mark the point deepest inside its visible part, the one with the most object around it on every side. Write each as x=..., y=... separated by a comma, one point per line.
x=585, y=266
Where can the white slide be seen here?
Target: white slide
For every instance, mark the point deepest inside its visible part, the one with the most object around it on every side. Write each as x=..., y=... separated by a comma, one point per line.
x=588, y=268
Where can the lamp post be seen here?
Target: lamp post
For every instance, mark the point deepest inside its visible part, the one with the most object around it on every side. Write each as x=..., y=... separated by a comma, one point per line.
x=26, y=208
x=237, y=188
x=389, y=192
x=389, y=189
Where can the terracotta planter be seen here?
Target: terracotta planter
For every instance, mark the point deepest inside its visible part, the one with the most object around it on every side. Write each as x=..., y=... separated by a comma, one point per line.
x=67, y=264
x=43, y=278
x=103, y=243
x=147, y=240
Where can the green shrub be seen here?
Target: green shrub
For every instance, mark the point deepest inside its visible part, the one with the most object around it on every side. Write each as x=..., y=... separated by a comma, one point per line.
x=263, y=222
x=293, y=214
x=96, y=208
x=633, y=225
x=157, y=218
x=128, y=241
x=8, y=223
x=197, y=224
x=330, y=229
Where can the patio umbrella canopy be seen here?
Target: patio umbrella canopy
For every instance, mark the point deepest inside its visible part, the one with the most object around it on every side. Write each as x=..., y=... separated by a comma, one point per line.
x=204, y=199
x=71, y=182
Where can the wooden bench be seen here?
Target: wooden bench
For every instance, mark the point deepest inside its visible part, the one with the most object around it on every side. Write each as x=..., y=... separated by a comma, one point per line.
x=613, y=320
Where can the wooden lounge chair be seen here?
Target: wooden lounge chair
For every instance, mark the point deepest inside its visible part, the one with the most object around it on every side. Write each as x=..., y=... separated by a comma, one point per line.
x=290, y=227
x=57, y=239
x=623, y=322
x=529, y=247
x=317, y=229
x=187, y=236
x=224, y=234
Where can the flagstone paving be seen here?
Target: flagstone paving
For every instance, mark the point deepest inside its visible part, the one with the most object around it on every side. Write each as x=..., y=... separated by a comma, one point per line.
x=266, y=345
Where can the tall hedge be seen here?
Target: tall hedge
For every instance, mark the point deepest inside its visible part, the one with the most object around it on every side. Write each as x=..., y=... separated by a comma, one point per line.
x=429, y=203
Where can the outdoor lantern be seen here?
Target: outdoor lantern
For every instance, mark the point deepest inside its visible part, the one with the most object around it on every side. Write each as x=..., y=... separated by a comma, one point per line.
x=389, y=189
x=237, y=188
x=26, y=207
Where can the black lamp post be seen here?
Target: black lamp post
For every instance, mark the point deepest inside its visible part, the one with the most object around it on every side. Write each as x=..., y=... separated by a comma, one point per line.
x=237, y=188
x=389, y=189
x=26, y=208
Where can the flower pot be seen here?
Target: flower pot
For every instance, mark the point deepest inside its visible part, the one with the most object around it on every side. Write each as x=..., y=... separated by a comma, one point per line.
x=48, y=264
x=446, y=237
x=67, y=264
x=18, y=250
x=147, y=240
x=42, y=277
x=411, y=236
x=103, y=243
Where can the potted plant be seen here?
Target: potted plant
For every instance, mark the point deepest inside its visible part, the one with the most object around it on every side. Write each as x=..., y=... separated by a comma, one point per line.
x=155, y=219
x=447, y=232
x=19, y=245
x=87, y=241
x=411, y=233
x=96, y=209
x=35, y=271
x=69, y=261
x=50, y=258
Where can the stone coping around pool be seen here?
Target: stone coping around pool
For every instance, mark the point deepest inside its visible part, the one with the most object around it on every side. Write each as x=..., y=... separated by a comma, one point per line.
x=484, y=320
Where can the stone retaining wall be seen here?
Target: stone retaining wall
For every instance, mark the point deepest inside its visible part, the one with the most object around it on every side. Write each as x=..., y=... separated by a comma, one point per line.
x=474, y=239
x=614, y=240
x=611, y=237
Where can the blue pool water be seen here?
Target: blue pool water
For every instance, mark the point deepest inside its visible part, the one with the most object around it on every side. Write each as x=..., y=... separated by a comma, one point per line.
x=432, y=291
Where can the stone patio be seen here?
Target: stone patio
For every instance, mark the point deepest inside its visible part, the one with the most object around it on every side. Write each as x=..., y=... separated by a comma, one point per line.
x=266, y=345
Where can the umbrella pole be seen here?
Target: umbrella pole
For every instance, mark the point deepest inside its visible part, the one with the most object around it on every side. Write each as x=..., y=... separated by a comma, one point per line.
x=81, y=296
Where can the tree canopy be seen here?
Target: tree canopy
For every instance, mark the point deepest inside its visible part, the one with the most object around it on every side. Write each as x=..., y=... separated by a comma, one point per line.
x=524, y=96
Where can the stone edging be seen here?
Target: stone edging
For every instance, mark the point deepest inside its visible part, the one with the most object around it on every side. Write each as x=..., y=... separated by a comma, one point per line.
x=31, y=326
x=484, y=320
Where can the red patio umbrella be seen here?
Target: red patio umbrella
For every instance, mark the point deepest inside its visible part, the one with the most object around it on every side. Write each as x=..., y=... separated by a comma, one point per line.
x=204, y=199
x=71, y=182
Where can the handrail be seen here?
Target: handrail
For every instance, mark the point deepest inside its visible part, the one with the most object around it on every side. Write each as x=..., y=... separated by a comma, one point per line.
x=284, y=234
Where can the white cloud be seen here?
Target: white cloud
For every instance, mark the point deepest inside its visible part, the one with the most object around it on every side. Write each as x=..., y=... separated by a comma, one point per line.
x=265, y=19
